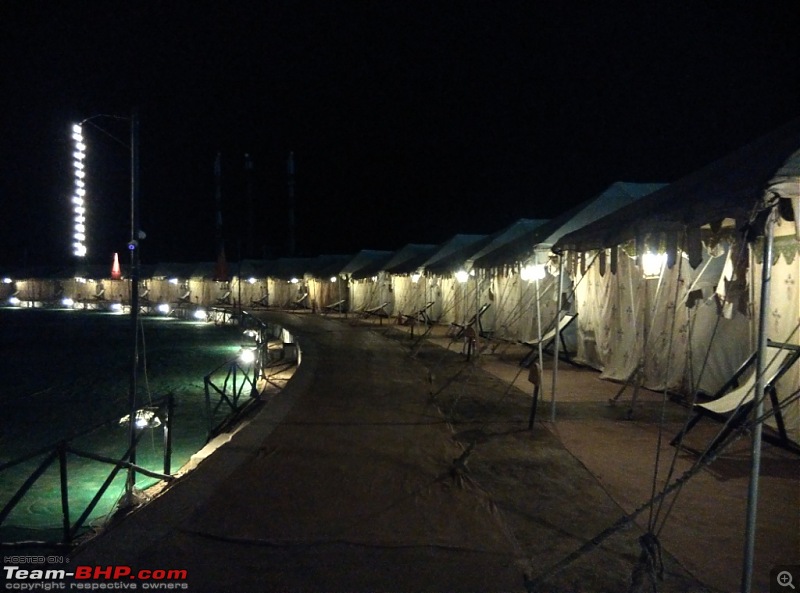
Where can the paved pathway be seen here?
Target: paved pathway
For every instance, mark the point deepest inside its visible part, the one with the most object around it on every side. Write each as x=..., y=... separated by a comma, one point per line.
x=344, y=482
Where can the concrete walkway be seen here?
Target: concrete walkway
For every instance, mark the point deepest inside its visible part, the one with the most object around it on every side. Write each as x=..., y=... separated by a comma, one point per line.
x=375, y=470
x=344, y=482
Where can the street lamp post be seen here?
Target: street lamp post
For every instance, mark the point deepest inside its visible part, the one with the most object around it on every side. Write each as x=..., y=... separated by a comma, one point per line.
x=133, y=247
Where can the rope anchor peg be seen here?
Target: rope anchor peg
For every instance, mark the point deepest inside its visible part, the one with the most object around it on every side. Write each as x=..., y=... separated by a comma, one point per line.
x=649, y=569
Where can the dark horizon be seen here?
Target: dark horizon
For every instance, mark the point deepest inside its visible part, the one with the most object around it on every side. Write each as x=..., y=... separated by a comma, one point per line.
x=409, y=122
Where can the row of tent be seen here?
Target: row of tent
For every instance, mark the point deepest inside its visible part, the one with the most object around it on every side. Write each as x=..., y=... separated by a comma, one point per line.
x=449, y=282
x=664, y=279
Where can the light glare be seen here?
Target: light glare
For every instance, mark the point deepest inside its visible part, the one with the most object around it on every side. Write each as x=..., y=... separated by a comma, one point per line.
x=652, y=264
x=247, y=355
x=79, y=248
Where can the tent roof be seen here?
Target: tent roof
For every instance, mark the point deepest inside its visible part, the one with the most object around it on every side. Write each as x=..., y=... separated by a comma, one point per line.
x=173, y=270
x=505, y=243
x=251, y=268
x=326, y=266
x=618, y=195
x=409, y=259
x=521, y=247
x=727, y=188
x=205, y=270
x=286, y=268
x=454, y=253
x=366, y=263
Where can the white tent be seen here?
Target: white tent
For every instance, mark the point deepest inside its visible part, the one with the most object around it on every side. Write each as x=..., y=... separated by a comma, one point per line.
x=515, y=259
x=687, y=328
x=407, y=285
x=442, y=271
x=737, y=201
x=369, y=287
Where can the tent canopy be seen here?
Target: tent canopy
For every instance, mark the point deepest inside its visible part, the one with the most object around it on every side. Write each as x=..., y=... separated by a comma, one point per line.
x=503, y=244
x=325, y=267
x=730, y=188
x=409, y=259
x=453, y=254
x=521, y=247
x=620, y=195
x=174, y=270
x=366, y=263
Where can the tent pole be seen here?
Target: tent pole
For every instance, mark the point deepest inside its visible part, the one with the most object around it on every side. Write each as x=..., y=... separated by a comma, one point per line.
x=477, y=314
x=755, y=470
x=539, y=327
x=557, y=341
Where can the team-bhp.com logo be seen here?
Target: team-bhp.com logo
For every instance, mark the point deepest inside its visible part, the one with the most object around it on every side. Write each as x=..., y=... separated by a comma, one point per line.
x=93, y=578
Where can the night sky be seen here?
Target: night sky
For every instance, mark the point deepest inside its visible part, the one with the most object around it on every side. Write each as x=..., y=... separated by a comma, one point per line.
x=409, y=121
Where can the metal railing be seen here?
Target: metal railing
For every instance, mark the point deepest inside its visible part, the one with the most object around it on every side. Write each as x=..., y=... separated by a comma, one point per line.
x=59, y=453
x=235, y=383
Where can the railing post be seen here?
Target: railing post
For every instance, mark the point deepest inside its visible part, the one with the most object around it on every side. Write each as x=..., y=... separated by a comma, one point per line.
x=168, y=433
x=208, y=408
x=235, y=391
x=62, y=466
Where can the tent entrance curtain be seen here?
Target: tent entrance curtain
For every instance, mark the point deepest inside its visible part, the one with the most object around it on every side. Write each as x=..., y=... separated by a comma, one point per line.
x=618, y=312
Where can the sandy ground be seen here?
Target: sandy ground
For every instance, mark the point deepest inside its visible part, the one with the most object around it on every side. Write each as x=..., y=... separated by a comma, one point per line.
x=393, y=464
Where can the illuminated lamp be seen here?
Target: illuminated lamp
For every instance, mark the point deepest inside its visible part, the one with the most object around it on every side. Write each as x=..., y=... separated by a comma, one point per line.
x=462, y=276
x=251, y=280
x=532, y=272
x=333, y=278
x=200, y=315
x=79, y=154
x=415, y=277
x=653, y=264
x=247, y=355
x=13, y=301
x=116, y=307
x=145, y=418
x=173, y=280
x=163, y=308
x=294, y=281
x=7, y=280
x=67, y=302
